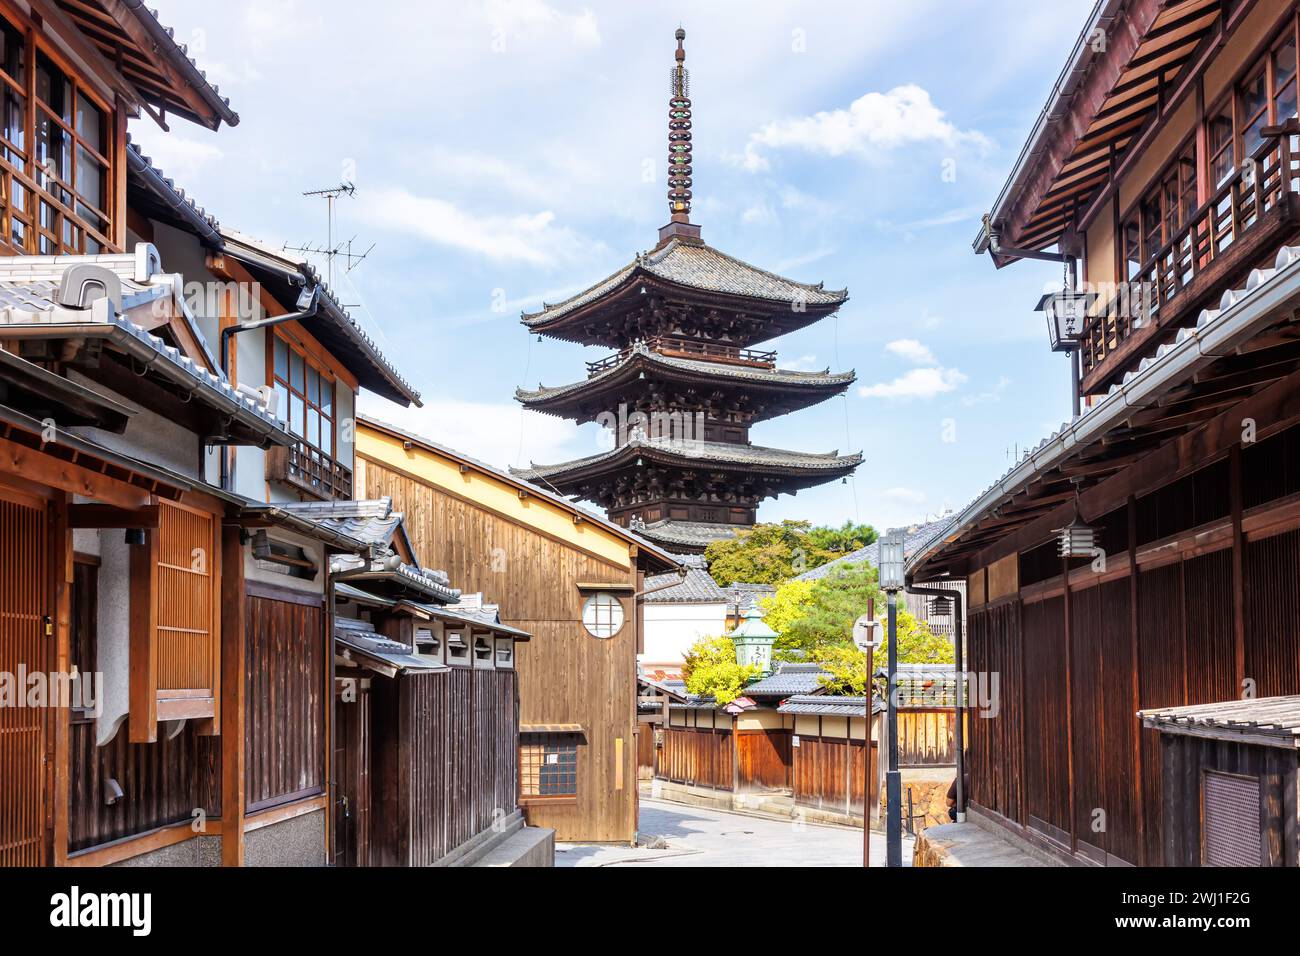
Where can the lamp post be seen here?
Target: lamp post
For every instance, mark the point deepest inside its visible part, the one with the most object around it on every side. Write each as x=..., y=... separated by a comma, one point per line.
x=866, y=635
x=891, y=579
x=1066, y=312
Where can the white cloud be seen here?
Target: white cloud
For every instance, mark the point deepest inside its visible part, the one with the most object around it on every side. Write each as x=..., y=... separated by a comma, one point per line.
x=993, y=394
x=499, y=434
x=804, y=363
x=874, y=123
x=911, y=496
x=532, y=238
x=532, y=17
x=181, y=159
x=912, y=350
x=918, y=383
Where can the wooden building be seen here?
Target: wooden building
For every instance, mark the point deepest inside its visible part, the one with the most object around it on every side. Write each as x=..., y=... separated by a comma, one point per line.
x=1230, y=782
x=684, y=383
x=1169, y=168
x=573, y=581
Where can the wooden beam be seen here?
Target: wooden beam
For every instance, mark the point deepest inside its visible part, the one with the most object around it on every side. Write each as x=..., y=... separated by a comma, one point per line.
x=34, y=465
x=1238, y=571
x=143, y=615
x=233, y=704
x=110, y=516
x=61, y=564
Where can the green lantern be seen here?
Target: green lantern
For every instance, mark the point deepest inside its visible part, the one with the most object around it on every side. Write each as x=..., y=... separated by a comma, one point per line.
x=754, y=640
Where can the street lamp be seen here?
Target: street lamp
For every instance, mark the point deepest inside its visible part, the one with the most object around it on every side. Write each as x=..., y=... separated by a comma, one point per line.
x=891, y=561
x=866, y=637
x=1066, y=312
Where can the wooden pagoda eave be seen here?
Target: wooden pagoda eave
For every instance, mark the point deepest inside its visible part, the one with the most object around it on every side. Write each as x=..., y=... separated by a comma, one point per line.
x=770, y=318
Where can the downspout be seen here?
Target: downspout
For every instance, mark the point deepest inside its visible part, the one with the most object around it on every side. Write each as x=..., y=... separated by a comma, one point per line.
x=959, y=730
x=306, y=310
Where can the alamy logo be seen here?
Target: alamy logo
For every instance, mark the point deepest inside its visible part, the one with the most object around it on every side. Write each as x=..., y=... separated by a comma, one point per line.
x=113, y=910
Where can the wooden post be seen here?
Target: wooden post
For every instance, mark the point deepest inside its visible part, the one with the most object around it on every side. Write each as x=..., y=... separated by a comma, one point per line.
x=61, y=563
x=1135, y=667
x=1238, y=573
x=233, y=709
x=143, y=615
x=1069, y=706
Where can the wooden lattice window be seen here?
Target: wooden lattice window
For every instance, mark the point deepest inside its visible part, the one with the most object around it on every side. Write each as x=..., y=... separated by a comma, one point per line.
x=57, y=146
x=175, y=626
x=307, y=392
x=548, y=766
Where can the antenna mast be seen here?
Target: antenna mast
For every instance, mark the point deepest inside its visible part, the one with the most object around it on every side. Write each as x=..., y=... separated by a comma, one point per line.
x=330, y=250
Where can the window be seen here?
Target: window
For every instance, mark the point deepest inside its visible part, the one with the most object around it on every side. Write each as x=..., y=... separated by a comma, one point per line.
x=505, y=652
x=305, y=392
x=482, y=652
x=56, y=144
x=548, y=766
x=457, y=648
x=602, y=615
x=1161, y=213
x=427, y=643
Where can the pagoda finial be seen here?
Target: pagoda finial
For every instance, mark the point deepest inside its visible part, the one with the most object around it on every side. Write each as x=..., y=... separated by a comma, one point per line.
x=679, y=137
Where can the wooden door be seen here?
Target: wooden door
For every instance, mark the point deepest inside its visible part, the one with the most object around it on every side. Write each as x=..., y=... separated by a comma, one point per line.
x=352, y=797
x=23, y=649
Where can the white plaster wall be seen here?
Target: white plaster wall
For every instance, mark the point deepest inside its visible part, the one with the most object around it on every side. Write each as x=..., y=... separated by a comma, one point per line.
x=314, y=552
x=149, y=437
x=671, y=629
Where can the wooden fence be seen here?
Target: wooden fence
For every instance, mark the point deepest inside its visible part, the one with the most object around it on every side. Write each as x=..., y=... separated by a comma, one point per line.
x=829, y=773
x=699, y=757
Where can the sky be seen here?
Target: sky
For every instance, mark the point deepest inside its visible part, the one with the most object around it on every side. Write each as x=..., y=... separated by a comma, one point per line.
x=511, y=152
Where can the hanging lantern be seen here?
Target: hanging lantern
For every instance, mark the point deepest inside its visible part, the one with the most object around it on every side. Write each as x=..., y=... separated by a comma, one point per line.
x=1066, y=312
x=1076, y=540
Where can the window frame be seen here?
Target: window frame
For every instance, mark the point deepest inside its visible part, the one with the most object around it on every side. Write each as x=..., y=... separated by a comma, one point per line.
x=594, y=599
x=534, y=745
x=30, y=179
x=324, y=373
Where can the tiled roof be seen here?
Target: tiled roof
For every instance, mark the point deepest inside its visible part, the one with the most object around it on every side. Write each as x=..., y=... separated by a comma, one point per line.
x=170, y=197
x=641, y=354
x=331, y=311
x=361, y=637
x=1266, y=720
x=690, y=534
x=722, y=453
x=788, y=680
x=824, y=705
x=698, y=588
x=743, y=594
x=698, y=266
x=29, y=288
x=370, y=520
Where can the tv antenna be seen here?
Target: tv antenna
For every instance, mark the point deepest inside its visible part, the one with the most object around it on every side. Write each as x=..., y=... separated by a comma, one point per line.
x=332, y=250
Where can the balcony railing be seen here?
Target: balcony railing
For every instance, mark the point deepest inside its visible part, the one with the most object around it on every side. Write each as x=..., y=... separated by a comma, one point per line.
x=691, y=348
x=1224, y=236
x=310, y=470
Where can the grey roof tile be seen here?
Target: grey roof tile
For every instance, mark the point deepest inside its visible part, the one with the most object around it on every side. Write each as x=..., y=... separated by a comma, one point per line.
x=724, y=453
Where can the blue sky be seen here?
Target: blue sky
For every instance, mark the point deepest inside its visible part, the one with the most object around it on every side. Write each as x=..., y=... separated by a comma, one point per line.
x=512, y=151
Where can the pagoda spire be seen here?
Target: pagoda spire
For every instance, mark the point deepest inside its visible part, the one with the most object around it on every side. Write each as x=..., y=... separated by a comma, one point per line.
x=679, y=137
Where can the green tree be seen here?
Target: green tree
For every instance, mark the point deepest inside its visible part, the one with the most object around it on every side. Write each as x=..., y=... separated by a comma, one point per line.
x=711, y=670
x=774, y=553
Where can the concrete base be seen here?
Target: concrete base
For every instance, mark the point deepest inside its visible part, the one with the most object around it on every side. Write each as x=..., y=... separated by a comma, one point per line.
x=531, y=846
x=770, y=803
x=970, y=844
x=508, y=843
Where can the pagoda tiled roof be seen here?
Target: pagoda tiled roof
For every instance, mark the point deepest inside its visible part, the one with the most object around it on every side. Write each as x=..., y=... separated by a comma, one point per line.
x=697, y=266
x=687, y=534
x=693, y=452
x=642, y=354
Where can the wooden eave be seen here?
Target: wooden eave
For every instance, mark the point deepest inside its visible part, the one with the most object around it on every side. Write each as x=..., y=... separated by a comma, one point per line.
x=1151, y=48
x=1190, y=426
x=768, y=318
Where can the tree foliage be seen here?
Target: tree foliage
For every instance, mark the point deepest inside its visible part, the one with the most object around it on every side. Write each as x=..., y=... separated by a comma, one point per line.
x=774, y=553
x=710, y=670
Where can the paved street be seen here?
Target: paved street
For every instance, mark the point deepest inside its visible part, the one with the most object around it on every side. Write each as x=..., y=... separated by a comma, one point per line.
x=699, y=837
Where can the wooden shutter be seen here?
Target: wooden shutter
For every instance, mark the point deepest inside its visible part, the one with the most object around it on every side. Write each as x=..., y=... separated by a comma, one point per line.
x=175, y=620
x=23, y=646
x=1230, y=809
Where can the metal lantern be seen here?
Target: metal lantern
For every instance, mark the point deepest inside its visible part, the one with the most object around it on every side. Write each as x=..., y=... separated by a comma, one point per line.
x=1076, y=541
x=892, y=561
x=1066, y=312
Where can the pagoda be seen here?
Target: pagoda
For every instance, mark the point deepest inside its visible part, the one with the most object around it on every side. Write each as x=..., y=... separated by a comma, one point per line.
x=685, y=383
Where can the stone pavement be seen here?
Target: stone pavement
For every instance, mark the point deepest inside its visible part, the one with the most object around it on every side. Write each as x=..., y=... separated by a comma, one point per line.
x=696, y=836
x=969, y=844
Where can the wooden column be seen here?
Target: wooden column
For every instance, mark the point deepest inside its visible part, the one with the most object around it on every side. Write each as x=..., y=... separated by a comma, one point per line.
x=233, y=707
x=1134, y=667
x=143, y=720
x=1238, y=572
x=1069, y=704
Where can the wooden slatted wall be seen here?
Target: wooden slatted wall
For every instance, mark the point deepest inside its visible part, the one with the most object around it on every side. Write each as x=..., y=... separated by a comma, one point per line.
x=187, y=618
x=697, y=757
x=285, y=732
x=827, y=773
x=23, y=603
